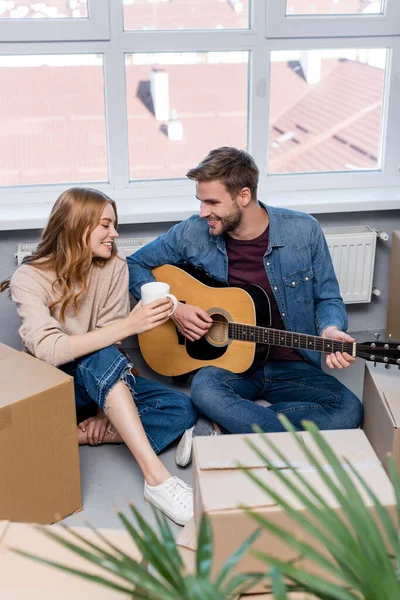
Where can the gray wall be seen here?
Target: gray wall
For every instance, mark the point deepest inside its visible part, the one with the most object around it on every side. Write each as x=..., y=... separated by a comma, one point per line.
x=362, y=317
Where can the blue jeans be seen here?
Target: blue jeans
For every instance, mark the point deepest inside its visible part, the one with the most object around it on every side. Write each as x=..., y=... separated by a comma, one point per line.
x=165, y=413
x=295, y=389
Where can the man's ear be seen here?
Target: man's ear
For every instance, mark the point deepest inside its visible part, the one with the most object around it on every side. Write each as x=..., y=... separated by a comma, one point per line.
x=244, y=197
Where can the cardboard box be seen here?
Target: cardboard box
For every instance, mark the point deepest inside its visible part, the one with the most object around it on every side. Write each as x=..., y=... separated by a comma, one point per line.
x=186, y=541
x=220, y=488
x=393, y=315
x=23, y=579
x=39, y=457
x=381, y=400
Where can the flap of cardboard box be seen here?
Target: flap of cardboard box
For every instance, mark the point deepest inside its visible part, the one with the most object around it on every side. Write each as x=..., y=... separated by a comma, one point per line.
x=350, y=444
x=47, y=582
x=6, y=351
x=23, y=376
x=187, y=537
x=237, y=490
x=373, y=475
x=229, y=451
x=225, y=452
x=223, y=486
x=392, y=400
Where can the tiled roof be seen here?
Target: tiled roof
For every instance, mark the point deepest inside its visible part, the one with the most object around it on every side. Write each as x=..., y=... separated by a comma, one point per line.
x=335, y=125
x=52, y=125
x=326, y=6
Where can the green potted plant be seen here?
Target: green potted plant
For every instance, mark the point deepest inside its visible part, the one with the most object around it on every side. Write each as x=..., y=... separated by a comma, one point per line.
x=362, y=548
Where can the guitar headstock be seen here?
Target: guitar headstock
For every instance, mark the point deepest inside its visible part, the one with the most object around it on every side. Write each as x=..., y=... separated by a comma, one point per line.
x=387, y=353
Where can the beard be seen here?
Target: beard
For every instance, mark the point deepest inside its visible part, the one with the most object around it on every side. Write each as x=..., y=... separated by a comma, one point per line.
x=229, y=223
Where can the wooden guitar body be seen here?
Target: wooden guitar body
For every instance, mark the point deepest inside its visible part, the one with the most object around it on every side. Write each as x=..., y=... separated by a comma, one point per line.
x=168, y=352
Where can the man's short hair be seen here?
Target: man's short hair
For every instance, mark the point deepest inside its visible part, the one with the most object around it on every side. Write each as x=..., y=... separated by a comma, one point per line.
x=236, y=169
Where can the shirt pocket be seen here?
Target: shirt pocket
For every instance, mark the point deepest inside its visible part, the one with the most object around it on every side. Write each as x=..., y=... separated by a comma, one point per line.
x=299, y=286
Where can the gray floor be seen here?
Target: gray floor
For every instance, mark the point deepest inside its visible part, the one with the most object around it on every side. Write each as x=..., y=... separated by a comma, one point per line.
x=111, y=479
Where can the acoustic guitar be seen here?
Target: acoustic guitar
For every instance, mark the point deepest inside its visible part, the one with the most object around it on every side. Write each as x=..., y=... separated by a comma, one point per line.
x=240, y=335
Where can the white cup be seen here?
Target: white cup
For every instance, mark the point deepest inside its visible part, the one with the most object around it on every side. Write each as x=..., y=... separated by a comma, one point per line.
x=155, y=290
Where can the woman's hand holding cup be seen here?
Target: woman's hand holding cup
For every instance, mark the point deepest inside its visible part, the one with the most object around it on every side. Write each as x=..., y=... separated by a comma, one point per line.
x=155, y=307
x=143, y=318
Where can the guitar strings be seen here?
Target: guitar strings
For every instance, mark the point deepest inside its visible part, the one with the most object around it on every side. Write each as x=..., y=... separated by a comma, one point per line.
x=279, y=336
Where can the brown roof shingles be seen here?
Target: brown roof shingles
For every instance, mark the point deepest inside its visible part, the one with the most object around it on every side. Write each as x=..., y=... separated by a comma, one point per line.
x=344, y=104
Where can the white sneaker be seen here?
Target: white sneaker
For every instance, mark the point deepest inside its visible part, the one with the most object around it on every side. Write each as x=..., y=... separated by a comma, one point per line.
x=183, y=454
x=173, y=497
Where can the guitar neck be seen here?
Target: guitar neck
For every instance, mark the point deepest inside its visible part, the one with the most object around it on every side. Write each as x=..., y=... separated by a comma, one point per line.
x=288, y=339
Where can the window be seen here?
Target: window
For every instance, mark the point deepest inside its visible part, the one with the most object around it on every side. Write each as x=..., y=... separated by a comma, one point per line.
x=53, y=130
x=173, y=124
x=326, y=110
x=181, y=14
x=333, y=7
x=19, y=9
x=127, y=95
x=53, y=20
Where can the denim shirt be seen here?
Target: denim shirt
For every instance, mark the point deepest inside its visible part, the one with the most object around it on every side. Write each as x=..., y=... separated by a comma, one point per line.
x=297, y=262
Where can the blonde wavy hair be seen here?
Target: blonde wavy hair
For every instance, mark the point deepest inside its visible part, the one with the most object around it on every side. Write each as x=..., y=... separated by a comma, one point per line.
x=65, y=244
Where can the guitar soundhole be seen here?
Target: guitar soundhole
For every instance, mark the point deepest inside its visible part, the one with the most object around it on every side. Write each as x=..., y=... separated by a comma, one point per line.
x=218, y=334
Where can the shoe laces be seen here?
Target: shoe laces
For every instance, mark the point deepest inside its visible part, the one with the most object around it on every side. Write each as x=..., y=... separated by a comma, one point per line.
x=180, y=491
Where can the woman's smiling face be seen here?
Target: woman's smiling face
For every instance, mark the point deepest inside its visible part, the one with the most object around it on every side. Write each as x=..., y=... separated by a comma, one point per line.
x=103, y=236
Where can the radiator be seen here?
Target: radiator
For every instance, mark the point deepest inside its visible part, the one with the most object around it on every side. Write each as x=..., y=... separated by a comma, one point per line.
x=352, y=250
x=125, y=246
x=353, y=254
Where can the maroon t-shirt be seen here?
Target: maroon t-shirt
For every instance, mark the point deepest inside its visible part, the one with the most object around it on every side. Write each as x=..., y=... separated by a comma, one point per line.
x=246, y=265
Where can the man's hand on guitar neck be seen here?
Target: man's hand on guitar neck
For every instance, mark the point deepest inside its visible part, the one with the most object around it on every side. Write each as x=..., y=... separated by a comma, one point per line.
x=193, y=322
x=338, y=360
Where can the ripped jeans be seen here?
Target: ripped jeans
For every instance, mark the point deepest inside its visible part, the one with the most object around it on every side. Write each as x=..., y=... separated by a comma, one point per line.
x=165, y=413
x=298, y=390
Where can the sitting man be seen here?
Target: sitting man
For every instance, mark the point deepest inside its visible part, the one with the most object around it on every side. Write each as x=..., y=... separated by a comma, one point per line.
x=238, y=240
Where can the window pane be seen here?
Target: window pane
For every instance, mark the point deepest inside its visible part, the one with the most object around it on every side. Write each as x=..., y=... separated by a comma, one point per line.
x=326, y=109
x=180, y=106
x=52, y=119
x=51, y=9
x=332, y=7
x=186, y=14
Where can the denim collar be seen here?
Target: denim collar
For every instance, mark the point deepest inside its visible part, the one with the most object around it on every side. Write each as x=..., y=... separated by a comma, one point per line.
x=275, y=237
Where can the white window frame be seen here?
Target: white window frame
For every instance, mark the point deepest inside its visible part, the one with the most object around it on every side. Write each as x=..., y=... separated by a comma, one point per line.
x=174, y=199
x=96, y=26
x=281, y=25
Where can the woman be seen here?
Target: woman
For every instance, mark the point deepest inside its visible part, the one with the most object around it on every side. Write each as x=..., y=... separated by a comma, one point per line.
x=72, y=297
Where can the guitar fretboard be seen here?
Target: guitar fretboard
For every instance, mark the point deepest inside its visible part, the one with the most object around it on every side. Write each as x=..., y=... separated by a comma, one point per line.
x=288, y=339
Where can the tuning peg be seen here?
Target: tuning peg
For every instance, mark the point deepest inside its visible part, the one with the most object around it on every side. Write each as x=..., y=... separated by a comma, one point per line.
x=377, y=336
x=388, y=366
x=390, y=337
x=375, y=364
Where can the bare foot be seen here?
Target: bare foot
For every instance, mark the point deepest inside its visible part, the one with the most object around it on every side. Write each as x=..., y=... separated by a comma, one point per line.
x=109, y=438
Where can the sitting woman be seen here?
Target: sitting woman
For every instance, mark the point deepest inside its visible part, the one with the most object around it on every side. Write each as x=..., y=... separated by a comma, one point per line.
x=72, y=297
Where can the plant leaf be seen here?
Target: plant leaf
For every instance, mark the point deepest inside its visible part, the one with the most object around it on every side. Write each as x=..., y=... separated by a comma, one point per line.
x=233, y=560
x=308, y=581
x=204, y=552
x=154, y=557
x=243, y=582
x=278, y=585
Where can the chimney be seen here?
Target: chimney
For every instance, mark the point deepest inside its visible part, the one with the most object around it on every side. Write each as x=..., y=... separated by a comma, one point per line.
x=310, y=62
x=159, y=89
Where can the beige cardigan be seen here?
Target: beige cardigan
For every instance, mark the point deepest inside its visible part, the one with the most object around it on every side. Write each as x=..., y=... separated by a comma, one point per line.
x=106, y=301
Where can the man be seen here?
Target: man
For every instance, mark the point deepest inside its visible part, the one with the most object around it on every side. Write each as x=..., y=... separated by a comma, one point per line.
x=238, y=240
